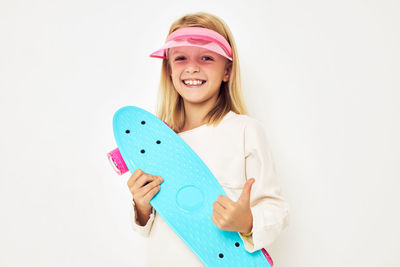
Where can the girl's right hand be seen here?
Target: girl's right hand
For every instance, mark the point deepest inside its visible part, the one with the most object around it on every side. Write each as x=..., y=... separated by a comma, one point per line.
x=143, y=187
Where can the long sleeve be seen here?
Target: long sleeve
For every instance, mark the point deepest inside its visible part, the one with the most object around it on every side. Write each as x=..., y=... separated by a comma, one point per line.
x=142, y=230
x=270, y=210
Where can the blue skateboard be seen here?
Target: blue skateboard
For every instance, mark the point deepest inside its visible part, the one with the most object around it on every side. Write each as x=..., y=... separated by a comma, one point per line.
x=188, y=191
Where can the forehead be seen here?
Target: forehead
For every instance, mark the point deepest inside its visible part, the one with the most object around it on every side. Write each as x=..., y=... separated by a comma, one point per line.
x=190, y=50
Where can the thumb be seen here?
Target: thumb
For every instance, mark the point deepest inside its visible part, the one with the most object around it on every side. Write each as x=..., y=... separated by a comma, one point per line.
x=245, y=196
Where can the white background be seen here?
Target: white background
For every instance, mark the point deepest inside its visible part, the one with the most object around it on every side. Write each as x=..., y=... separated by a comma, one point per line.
x=323, y=77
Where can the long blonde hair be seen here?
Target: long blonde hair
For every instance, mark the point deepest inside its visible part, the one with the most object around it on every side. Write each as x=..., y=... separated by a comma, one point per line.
x=170, y=104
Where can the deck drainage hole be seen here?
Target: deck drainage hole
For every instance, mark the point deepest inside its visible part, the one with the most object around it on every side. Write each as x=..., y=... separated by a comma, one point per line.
x=158, y=142
x=142, y=151
x=237, y=244
x=127, y=131
x=143, y=122
x=221, y=255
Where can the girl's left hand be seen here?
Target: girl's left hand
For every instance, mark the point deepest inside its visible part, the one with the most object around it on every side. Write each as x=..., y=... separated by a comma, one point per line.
x=234, y=216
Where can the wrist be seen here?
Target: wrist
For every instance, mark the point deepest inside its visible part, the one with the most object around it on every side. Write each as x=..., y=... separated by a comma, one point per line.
x=144, y=210
x=142, y=217
x=249, y=227
x=247, y=234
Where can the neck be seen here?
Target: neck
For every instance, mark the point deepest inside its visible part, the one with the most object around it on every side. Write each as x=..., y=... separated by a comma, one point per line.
x=195, y=114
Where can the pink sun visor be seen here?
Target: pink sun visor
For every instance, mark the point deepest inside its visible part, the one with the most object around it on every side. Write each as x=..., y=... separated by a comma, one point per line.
x=196, y=36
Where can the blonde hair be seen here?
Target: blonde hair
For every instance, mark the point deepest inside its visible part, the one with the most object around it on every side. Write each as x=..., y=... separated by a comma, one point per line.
x=170, y=104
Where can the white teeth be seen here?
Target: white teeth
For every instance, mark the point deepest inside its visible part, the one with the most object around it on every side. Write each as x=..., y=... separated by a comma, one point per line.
x=193, y=82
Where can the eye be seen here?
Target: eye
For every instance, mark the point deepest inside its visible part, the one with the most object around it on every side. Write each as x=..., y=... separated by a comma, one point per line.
x=179, y=58
x=207, y=58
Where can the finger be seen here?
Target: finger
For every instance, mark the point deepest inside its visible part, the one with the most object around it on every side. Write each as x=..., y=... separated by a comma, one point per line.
x=144, y=180
x=245, y=196
x=151, y=193
x=218, y=207
x=149, y=183
x=215, y=221
x=157, y=180
x=218, y=216
x=219, y=220
x=224, y=201
x=137, y=188
x=135, y=175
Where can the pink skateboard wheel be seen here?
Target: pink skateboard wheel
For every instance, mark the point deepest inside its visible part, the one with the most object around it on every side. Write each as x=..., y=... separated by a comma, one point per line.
x=117, y=161
x=167, y=124
x=269, y=259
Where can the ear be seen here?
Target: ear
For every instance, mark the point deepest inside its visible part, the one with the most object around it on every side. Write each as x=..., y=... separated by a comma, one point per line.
x=227, y=73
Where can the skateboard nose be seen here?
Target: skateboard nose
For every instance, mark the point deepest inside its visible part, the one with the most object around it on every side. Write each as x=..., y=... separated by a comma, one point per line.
x=190, y=198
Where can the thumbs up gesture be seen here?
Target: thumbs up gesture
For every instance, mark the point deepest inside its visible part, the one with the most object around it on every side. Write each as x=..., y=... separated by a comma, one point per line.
x=234, y=216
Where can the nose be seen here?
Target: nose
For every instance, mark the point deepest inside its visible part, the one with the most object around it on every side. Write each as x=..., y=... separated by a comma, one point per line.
x=192, y=67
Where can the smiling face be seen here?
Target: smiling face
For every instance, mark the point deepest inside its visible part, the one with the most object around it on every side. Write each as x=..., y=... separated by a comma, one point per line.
x=197, y=73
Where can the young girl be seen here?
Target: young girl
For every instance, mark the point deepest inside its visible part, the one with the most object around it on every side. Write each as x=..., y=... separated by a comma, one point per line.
x=200, y=98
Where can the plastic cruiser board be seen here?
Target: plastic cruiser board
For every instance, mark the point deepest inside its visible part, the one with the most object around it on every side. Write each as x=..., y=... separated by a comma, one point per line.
x=188, y=191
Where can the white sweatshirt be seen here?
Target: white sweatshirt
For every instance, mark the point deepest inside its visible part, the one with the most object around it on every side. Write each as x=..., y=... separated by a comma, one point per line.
x=235, y=150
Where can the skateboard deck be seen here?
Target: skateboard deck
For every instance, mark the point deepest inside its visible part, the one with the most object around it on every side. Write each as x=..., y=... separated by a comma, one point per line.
x=188, y=191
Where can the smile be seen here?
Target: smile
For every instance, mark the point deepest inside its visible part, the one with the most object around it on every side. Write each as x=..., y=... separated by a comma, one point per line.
x=193, y=82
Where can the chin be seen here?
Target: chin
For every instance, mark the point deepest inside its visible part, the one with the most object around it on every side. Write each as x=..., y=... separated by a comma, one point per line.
x=194, y=101
x=193, y=98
